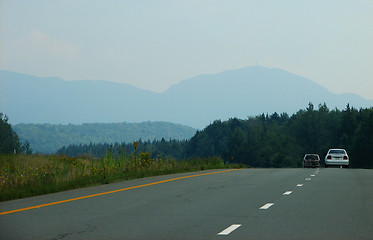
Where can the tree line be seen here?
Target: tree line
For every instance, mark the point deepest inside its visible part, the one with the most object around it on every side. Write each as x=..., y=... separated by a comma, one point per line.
x=276, y=140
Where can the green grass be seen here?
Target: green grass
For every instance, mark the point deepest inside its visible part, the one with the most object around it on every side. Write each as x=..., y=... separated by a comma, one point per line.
x=29, y=175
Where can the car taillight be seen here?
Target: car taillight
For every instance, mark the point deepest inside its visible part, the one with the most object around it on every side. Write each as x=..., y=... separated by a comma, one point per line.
x=345, y=157
x=329, y=157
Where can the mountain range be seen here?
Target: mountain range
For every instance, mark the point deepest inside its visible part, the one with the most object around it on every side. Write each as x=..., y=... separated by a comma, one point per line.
x=194, y=102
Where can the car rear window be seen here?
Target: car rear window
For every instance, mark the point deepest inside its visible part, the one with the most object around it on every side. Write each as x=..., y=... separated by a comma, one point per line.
x=337, y=151
x=312, y=157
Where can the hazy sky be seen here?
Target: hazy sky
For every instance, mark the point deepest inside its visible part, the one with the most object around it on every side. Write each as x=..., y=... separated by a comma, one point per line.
x=153, y=44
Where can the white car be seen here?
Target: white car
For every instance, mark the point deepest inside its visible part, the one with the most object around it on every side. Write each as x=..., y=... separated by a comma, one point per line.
x=337, y=157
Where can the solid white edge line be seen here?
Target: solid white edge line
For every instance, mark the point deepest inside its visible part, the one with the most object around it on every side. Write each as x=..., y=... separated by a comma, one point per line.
x=287, y=193
x=229, y=229
x=266, y=206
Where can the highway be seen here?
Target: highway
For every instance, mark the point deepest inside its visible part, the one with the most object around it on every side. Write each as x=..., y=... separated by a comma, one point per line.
x=330, y=203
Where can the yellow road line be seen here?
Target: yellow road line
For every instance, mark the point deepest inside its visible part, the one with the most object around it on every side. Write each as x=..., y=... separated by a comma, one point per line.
x=114, y=191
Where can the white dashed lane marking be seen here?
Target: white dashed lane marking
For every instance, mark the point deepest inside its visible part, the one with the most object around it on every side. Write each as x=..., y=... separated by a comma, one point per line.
x=266, y=206
x=229, y=229
x=233, y=227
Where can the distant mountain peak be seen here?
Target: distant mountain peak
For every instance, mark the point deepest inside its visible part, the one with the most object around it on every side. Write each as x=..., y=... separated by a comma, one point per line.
x=195, y=102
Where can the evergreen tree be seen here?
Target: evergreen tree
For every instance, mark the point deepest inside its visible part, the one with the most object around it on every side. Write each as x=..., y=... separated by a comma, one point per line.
x=362, y=145
x=9, y=140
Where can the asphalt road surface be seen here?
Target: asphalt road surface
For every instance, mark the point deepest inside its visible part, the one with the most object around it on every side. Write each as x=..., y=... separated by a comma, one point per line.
x=248, y=204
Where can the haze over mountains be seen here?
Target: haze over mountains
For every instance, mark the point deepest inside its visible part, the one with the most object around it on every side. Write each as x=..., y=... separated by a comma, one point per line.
x=195, y=102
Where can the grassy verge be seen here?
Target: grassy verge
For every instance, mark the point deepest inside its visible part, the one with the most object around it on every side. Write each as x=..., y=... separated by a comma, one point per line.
x=29, y=175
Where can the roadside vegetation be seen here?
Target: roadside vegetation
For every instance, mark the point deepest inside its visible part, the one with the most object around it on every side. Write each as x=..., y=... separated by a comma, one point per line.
x=29, y=175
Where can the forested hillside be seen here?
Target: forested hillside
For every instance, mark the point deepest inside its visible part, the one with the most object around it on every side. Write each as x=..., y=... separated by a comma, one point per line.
x=276, y=140
x=48, y=138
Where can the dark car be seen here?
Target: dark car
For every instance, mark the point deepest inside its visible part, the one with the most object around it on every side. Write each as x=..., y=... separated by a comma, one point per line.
x=311, y=160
